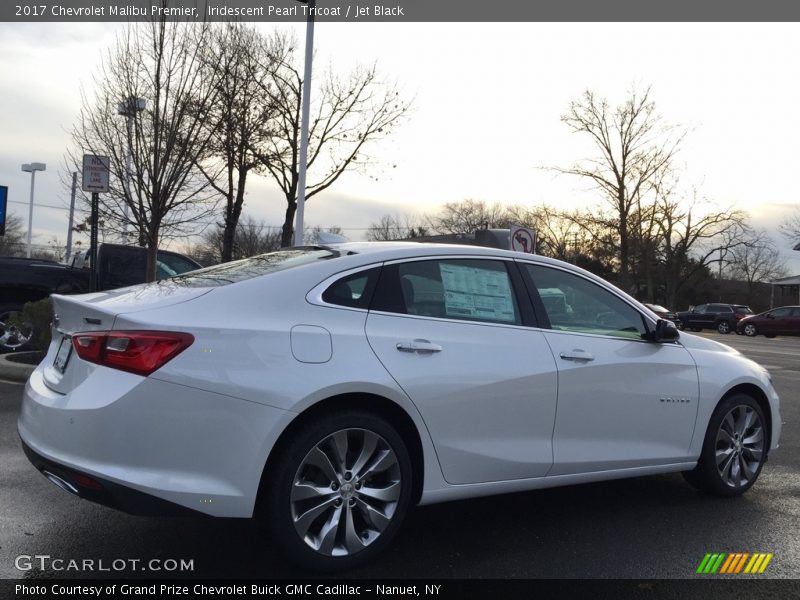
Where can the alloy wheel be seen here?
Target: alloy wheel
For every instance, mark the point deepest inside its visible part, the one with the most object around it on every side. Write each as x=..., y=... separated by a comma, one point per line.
x=345, y=492
x=739, y=446
x=723, y=327
x=750, y=330
x=14, y=333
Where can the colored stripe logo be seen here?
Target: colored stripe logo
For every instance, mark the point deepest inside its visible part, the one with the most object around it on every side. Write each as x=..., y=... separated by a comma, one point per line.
x=734, y=563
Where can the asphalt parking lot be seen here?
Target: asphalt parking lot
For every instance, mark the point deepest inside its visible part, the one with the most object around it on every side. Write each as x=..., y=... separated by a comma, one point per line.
x=650, y=527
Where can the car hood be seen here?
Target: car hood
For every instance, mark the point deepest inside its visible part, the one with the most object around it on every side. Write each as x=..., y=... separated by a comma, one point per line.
x=695, y=342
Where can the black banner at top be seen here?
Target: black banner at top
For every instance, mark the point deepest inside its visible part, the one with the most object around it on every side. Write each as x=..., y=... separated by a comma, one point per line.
x=399, y=11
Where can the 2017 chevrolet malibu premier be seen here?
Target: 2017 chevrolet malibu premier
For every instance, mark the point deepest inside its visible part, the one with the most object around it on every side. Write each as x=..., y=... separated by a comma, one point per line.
x=327, y=389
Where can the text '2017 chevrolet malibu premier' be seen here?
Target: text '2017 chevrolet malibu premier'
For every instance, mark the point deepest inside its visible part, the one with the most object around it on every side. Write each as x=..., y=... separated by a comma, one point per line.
x=327, y=389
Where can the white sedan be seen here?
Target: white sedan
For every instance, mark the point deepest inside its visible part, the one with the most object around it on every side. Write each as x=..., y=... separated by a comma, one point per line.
x=327, y=389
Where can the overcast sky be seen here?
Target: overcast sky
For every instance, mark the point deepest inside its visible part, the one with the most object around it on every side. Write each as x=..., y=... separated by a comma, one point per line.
x=487, y=102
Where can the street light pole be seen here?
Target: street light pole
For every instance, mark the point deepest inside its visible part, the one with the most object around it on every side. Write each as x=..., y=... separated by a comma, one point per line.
x=32, y=168
x=306, y=109
x=128, y=109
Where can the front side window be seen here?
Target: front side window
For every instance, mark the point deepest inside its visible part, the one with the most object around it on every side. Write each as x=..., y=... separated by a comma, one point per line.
x=474, y=290
x=575, y=304
x=780, y=312
x=700, y=309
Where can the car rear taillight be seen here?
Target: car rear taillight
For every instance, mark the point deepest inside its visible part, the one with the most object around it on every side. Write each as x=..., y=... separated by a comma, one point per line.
x=140, y=352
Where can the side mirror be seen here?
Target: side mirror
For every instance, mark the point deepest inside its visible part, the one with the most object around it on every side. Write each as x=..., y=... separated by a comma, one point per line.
x=665, y=331
x=770, y=316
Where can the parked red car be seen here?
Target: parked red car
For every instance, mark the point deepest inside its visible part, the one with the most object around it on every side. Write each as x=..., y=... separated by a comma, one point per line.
x=777, y=321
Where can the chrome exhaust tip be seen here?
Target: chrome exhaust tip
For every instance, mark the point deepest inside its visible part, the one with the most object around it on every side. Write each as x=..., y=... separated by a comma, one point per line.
x=63, y=484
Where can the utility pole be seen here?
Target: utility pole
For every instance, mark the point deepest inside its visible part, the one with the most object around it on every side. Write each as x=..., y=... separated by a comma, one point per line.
x=306, y=109
x=71, y=215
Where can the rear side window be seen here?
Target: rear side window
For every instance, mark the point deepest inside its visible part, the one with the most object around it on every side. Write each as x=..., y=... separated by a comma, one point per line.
x=353, y=290
x=473, y=290
x=255, y=266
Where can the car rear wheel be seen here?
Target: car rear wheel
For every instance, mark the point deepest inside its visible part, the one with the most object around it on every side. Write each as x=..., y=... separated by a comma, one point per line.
x=749, y=330
x=724, y=327
x=734, y=449
x=339, y=491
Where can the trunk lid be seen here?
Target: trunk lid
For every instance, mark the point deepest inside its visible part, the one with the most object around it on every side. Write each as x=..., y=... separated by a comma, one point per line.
x=63, y=370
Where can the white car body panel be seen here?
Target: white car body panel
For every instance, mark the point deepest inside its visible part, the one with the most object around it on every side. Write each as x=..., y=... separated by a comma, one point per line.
x=198, y=431
x=491, y=421
x=633, y=404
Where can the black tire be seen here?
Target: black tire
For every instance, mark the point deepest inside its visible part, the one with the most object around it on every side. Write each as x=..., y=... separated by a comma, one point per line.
x=750, y=330
x=770, y=335
x=696, y=329
x=292, y=464
x=724, y=327
x=13, y=340
x=707, y=476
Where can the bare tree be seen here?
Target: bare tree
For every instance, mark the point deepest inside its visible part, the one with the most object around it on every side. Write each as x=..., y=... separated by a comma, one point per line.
x=468, y=215
x=241, y=61
x=312, y=234
x=252, y=237
x=159, y=61
x=395, y=227
x=12, y=243
x=790, y=229
x=693, y=238
x=756, y=260
x=347, y=115
x=634, y=150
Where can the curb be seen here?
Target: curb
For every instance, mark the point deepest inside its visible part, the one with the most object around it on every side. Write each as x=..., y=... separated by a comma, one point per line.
x=12, y=371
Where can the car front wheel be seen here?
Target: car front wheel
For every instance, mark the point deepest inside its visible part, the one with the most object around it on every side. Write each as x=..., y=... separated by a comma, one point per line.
x=724, y=327
x=339, y=491
x=749, y=330
x=734, y=449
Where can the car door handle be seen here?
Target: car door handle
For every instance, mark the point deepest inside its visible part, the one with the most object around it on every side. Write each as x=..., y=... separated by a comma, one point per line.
x=421, y=346
x=577, y=355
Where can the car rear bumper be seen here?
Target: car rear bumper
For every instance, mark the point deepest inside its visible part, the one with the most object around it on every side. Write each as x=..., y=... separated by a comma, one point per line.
x=101, y=491
x=144, y=438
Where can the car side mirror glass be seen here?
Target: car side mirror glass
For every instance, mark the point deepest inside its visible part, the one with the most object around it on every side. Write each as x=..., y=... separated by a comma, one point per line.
x=770, y=316
x=666, y=331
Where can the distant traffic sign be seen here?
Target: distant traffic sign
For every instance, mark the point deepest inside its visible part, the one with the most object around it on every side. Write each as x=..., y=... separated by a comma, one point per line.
x=522, y=239
x=95, y=173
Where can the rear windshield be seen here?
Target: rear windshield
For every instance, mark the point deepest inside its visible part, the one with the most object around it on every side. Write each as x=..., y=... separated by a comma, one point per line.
x=742, y=310
x=255, y=266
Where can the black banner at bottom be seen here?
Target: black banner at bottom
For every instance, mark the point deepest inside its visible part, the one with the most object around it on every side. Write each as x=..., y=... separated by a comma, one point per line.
x=726, y=588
